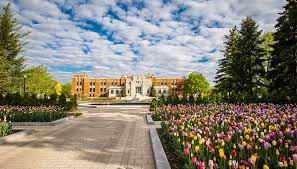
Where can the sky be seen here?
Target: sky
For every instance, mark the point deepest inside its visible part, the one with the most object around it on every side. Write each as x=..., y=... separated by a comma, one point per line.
x=109, y=38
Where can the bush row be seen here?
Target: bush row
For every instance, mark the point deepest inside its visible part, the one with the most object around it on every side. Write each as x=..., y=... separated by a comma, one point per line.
x=16, y=99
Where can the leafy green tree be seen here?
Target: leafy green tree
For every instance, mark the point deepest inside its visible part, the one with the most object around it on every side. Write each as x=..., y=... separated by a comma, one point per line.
x=196, y=84
x=39, y=80
x=66, y=89
x=284, y=57
x=11, y=44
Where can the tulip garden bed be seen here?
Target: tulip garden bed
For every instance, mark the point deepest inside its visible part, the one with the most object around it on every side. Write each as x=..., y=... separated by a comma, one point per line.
x=230, y=136
x=31, y=114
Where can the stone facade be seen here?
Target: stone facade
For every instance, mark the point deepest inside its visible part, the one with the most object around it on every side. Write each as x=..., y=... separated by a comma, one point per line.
x=130, y=86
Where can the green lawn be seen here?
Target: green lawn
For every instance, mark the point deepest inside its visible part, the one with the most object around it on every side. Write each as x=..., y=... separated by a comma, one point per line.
x=100, y=99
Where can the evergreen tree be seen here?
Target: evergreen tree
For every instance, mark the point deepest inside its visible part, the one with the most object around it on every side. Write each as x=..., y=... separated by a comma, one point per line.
x=4, y=74
x=284, y=56
x=247, y=65
x=224, y=75
x=11, y=44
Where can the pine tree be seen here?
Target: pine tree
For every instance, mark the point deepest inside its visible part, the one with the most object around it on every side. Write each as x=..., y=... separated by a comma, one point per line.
x=11, y=43
x=224, y=75
x=248, y=60
x=284, y=56
x=4, y=74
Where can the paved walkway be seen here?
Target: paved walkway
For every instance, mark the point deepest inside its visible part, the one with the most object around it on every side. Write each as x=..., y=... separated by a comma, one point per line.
x=109, y=137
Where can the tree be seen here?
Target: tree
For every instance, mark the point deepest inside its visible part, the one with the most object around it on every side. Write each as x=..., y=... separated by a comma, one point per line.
x=58, y=89
x=4, y=73
x=11, y=44
x=283, y=71
x=196, y=84
x=66, y=89
x=268, y=42
x=225, y=77
x=39, y=80
x=247, y=65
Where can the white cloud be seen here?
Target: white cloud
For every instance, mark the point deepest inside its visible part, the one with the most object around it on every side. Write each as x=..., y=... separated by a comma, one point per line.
x=163, y=45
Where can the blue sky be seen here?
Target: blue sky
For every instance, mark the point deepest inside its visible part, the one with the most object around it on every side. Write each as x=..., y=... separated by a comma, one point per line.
x=109, y=38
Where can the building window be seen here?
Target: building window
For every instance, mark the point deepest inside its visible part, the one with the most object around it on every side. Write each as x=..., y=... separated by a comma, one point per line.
x=128, y=91
x=90, y=89
x=117, y=92
x=77, y=89
x=91, y=83
x=172, y=82
x=90, y=95
x=77, y=83
x=93, y=89
x=111, y=91
x=115, y=83
x=104, y=82
x=101, y=83
x=159, y=91
x=80, y=83
x=104, y=89
x=101, y=90
x=164, y=91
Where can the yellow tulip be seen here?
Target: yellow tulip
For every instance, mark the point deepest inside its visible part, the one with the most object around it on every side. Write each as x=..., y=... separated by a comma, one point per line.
x=265, y=166
x=197, y=148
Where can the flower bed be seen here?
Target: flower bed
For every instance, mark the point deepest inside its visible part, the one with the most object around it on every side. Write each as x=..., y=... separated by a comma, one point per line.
x=31, y=114
x=232, y=136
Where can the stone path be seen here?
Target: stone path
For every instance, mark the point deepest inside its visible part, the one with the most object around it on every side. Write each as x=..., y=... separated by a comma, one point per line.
x=109, y=137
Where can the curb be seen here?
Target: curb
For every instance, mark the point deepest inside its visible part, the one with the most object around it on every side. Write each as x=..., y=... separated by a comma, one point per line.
x=150, y=120
x=53, y=123
x=15, y=136
x=160, y=158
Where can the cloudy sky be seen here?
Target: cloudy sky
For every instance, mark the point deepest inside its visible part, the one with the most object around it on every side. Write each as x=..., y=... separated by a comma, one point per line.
x=108, y=38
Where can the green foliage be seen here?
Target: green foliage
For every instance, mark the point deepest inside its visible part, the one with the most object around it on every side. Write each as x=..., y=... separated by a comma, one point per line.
x=53, y=99
x=5, y=129
x=62, y=100
x=191, y=99
x=72, y=105
x=196, y=84
x=11, y=45
x=39, y=80
x=34, y=116
x=77, y=115
x=31, y=100
x=66, y=89
x=154, y=104
x=283, y=73
x=241, y=74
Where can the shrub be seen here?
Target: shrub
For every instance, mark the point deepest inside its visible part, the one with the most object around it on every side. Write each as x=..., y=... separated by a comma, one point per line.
x=154, y=104
x=62, y=101
x=5, y=129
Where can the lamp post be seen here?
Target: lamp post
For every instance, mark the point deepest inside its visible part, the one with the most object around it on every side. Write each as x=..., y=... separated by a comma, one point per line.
x=25, y=77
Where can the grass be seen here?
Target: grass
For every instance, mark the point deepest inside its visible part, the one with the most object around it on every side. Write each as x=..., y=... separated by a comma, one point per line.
x=101, y=99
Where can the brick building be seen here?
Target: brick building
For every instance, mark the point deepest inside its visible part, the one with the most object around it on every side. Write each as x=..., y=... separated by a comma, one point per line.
x=145, y=85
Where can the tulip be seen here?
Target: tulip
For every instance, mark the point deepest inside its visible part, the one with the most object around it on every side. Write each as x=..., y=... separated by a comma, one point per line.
x=210, y=164
x=186, y=151
x=265, y=166
x=233, y=153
